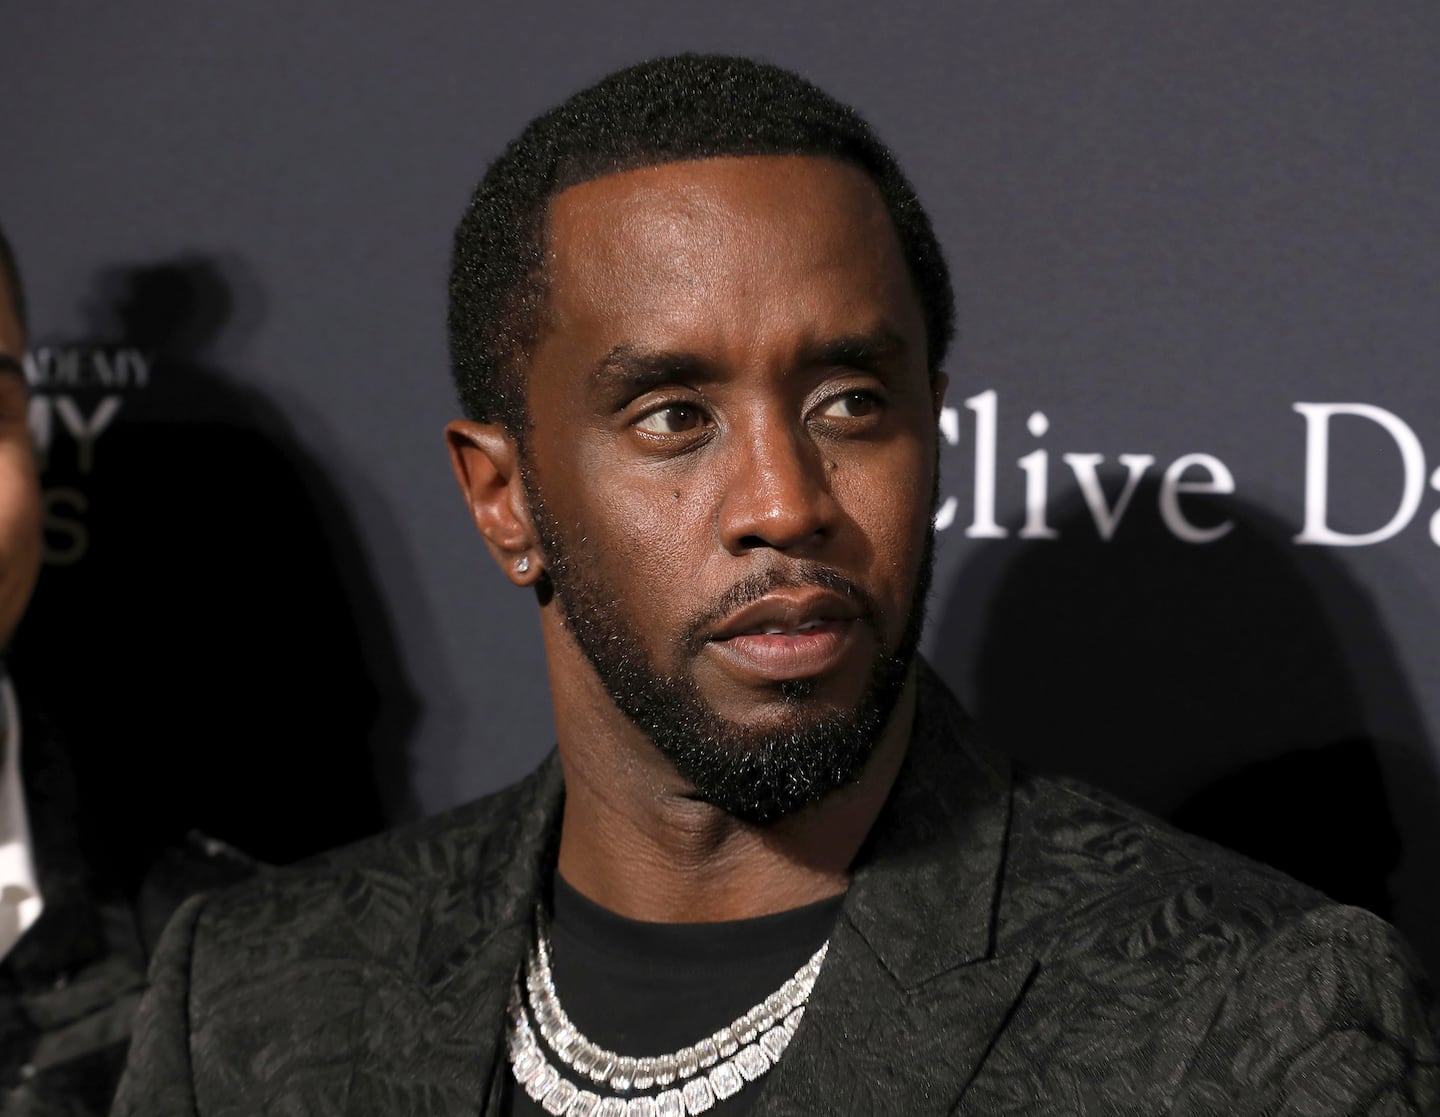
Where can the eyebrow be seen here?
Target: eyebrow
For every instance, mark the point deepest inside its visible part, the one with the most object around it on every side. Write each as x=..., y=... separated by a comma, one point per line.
x=636, y=367
x=859, y=350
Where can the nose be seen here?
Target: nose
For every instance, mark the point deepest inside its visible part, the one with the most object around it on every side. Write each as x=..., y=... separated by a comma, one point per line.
x=777, y=493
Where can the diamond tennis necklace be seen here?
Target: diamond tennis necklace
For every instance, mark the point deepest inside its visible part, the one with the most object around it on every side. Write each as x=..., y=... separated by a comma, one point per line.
x=689, y=1081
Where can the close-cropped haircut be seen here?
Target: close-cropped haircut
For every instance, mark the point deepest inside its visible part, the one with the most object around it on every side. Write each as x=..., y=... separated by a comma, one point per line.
x=10, y=272
x=666, y=110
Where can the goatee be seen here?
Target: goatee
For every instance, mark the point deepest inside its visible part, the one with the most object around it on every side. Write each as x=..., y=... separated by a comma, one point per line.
x=761, y=774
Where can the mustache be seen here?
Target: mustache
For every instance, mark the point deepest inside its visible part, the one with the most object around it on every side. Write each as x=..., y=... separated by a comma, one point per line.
x=796, y=575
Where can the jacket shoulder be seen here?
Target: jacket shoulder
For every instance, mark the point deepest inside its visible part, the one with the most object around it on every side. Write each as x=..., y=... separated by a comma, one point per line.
x=373, y=898
x=380, y=968
x=1180, y=960
x=1075, y=849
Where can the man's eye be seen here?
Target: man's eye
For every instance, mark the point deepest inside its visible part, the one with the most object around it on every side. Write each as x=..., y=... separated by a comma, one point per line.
x=852, y=405
x=677, y=418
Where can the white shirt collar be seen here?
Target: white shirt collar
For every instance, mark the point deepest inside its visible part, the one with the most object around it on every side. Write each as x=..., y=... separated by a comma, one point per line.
x=18, y=886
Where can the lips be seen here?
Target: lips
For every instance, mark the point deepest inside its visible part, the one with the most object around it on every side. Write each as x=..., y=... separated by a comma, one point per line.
x=787, y=635
x=786, y=612
x=773, y=630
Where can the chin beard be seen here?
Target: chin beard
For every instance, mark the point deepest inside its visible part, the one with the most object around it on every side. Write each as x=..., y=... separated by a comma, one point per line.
x=757, y=774
x=760, y=775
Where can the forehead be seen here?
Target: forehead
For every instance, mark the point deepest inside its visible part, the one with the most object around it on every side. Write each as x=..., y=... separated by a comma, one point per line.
x=751, y=188
x=671, y=244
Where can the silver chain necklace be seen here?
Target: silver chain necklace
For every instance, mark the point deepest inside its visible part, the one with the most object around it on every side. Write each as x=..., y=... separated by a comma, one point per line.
x=739, y=1053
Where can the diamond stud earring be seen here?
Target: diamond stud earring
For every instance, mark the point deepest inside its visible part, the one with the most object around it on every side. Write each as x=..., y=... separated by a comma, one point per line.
x=522, y=564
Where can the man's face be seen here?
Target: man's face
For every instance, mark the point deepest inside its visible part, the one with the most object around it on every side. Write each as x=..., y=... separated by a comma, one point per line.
x=19, y=488
x=731, y=464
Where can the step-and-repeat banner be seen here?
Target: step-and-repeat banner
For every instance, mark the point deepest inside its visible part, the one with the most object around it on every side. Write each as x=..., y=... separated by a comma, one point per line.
x=1190, y=508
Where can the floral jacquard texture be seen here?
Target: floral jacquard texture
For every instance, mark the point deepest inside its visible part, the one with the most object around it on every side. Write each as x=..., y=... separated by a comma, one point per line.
x=1009, y=945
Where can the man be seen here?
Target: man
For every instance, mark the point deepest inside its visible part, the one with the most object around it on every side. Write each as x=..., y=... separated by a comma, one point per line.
x=72, y=947
x=69, y=984
x=698, y=319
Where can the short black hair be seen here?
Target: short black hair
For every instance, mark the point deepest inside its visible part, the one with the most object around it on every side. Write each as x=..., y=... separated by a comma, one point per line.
x=662, y=111
x=10, y=271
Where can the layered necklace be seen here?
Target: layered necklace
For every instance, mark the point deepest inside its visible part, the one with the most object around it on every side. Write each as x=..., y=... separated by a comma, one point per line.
x=688, y=1081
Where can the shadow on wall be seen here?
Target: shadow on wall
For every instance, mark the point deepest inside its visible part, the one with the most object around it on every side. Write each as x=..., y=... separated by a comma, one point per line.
x=207, y=633
x=1211, y=684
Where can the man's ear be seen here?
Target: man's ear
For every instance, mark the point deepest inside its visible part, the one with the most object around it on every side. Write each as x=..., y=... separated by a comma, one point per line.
x=487, y=465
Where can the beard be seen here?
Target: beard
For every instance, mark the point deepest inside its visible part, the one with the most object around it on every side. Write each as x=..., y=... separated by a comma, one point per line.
x=756, y=774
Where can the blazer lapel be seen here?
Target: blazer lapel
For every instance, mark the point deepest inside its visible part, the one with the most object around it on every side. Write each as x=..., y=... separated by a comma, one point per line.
x=912, y=997
x=469, y=942
x=486, y=985
x=68, y=933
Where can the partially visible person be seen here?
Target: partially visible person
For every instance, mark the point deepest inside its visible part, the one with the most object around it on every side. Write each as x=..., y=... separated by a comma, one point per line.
x=72, y=950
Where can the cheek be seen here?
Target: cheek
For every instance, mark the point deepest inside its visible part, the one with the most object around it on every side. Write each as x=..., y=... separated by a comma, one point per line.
x=647, y=531
x=20, y=538
x=19, y=500
x=888, y=498
x=658, y=529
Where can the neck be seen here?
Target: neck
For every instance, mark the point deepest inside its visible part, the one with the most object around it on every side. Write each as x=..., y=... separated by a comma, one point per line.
x=634, y=841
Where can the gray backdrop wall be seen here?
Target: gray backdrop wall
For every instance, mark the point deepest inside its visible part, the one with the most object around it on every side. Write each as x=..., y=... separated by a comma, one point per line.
x=1192, y=504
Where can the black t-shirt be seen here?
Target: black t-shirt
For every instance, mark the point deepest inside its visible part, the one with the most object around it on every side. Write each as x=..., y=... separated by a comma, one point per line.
x=652, y=988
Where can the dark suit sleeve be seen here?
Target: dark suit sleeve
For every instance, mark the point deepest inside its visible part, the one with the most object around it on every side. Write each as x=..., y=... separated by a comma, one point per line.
x=158, y=1081
x=1331, y=1017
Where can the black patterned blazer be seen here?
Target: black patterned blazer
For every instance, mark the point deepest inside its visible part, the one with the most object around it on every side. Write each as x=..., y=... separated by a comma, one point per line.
x=1009, y=945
